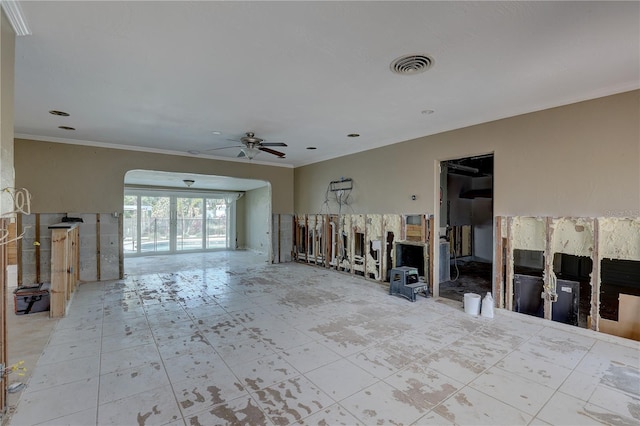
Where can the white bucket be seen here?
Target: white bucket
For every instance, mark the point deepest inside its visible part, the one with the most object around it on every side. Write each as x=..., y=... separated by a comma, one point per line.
x=472, y=303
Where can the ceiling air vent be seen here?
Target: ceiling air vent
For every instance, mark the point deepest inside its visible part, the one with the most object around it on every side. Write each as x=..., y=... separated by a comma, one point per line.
x=411, y=64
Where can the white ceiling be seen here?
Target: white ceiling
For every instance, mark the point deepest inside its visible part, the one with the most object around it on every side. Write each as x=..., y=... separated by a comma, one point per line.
x=165, y=75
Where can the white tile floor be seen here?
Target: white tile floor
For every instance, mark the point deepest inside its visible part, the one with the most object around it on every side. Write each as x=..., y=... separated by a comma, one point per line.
x=225, y=338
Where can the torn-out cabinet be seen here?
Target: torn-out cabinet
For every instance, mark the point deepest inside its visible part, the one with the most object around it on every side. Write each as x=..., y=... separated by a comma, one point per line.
x=528, y=292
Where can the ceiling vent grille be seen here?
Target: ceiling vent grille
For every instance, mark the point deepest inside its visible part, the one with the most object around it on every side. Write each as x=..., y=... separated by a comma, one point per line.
x=411, y=64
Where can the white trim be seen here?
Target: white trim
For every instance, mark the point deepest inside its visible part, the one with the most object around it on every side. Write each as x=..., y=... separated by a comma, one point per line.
x=143, y=149
x=15, y=15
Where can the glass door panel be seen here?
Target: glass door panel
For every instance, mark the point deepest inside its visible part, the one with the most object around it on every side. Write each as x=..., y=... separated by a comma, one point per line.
x=154, y=224
x=189, y=235
x=130, y=224
x=216, y=223
x=171, y=223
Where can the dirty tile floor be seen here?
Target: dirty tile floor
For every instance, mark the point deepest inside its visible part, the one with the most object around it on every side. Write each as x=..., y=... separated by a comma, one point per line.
x=225, y=338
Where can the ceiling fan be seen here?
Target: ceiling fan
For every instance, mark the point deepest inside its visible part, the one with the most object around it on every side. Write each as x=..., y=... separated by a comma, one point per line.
x=252, y=145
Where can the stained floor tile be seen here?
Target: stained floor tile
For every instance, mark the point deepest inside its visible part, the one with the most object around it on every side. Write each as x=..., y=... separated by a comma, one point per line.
x=153, y=407
x=292, y=400
x=309, y=356
x=520, y=393
x=382, y=404
x=471, y=407
x=341, y=379
x=566, y=410
x=241, y=411
x=263, y=372
x=225, y=338
x=38, y=406
x=85, y=417
x=426, y=387
x=197, y=394
x=129, y=382
x=334, y=415
x=539, y=370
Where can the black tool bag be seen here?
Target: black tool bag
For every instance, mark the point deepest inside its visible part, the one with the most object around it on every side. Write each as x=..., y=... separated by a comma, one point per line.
x=31, y=299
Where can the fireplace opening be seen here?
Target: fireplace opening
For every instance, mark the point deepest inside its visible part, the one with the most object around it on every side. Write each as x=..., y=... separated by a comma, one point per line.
x=411, y=255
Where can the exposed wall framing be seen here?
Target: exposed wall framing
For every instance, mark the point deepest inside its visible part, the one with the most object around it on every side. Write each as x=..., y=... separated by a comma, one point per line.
x=101, y=252
x=593, y=238
x=282, y=238
x=360, y=244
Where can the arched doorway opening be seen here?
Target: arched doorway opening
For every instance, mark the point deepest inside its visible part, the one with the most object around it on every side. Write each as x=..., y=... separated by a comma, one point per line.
x=171, y=213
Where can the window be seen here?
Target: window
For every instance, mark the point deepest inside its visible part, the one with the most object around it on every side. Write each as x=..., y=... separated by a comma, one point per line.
x=165, y=222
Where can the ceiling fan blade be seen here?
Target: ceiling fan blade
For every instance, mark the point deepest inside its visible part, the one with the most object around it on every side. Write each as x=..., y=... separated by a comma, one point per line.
x=223, y=147
x=273, y=144
x=272, y=151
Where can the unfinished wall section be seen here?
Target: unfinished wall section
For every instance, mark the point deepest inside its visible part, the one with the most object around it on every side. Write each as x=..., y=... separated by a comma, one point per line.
x=368, y=245
x=100, y=251
x=618, y=248
x=282, y=238
x=575, y=249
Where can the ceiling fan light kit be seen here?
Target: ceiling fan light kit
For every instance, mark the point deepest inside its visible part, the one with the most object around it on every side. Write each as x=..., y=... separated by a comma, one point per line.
x=252, y=145
x=249, y=152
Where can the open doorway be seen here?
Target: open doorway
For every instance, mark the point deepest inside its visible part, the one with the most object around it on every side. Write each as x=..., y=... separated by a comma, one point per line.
x=466, y=226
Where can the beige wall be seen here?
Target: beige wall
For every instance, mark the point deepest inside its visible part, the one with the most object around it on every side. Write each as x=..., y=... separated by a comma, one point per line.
x=7, y=61
x=578, y=160
x=74, y=178
x=241, y=234
x=257, y=220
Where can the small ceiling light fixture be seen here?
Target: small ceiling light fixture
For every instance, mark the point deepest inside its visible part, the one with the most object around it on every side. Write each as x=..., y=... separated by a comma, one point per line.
x=66, y=128
x=353, y=135
x=189, y=182
x=411, y=64
x=250, y=152
x=311, y=147
x=60, y=113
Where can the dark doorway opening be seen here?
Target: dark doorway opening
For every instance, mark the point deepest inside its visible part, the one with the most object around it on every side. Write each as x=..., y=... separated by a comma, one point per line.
x=466, y=226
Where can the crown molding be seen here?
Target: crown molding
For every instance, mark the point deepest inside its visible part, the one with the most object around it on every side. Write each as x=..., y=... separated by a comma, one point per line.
x=14, y=13
x=145, y=149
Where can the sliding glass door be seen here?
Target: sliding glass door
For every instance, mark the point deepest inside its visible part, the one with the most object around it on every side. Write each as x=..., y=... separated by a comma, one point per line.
x=217, y=223
x=170, y=223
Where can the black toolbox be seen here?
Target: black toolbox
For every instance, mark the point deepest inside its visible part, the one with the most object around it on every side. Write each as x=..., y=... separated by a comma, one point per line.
x=29, y=299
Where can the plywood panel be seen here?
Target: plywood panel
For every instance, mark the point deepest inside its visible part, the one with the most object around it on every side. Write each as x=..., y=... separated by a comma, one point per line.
x=414, y=232
x=628, y=324
x=12, y=247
